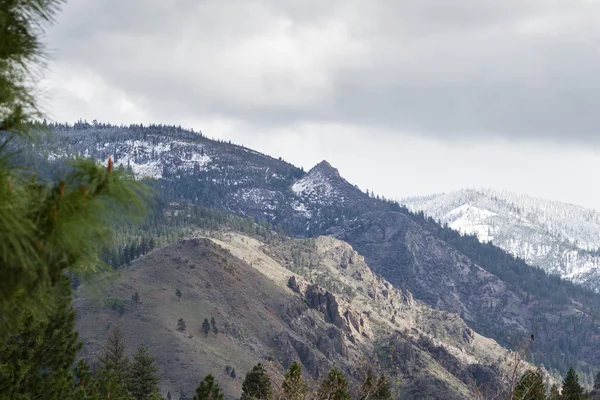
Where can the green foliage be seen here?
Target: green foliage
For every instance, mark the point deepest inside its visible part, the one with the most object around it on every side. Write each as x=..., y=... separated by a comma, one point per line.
x=208, y=390
x=334, y=387
x=55, y=228
x=46, y=228
x=112, y=384
x=85, y=382
x=383, y=391
x=257, y=385
x=115, y=304
x=21, y=24
x=572, y=389
x=113, y=376
x=113, y=356
x=372, y=389
x=294, y=387
x=530, y=386
x=554, y=393
x=143, y=380
x=37, y=362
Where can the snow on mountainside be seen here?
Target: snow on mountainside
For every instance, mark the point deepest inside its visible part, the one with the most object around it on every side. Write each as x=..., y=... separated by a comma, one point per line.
x=559, y=237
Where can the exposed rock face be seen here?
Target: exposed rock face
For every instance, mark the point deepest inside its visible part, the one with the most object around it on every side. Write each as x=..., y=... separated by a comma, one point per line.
x=294, y=285
x=326, y=303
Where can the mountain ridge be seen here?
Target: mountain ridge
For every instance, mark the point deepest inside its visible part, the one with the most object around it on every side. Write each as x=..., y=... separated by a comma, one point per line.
x=243, y=182
x=559, y=237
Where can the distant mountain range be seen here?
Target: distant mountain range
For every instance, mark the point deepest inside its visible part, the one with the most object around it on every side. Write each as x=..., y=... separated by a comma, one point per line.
x=560, y=238
x=495, y=294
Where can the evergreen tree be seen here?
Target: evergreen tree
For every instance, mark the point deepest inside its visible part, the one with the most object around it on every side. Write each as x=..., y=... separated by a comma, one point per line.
x=554, y=393
x=114, y=374
x=208, y=390
x=572, y=389
x=135, y=298
x=334, y=387
x=597, y=381
x=112, y=385
x=46, y=228
x=206, y=327
x=213, y=324
x=37, y=362
x=85, y=382
x=294, y=387
x=113, y=356
x=178, y=294
x=372, y=389
x=144, y=379
x=383, y=391
x=180, y=325
x=367, y=387
x=530, y=387
x=257, y=384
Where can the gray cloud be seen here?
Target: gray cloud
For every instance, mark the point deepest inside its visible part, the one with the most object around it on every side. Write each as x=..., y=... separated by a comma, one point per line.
x=457, y=68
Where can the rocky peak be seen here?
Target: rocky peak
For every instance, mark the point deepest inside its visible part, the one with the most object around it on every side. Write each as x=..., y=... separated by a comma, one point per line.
x=325, y=168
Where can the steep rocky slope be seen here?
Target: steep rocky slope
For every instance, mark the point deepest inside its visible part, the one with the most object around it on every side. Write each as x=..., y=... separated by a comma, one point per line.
x=313, y=300
x=424, y=258
x=557, y=237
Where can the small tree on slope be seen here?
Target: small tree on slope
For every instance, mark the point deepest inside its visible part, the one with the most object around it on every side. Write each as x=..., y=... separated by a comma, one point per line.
x=144, y=380
x=334, y=387
x=294, y=387
x=572, y=389
x=208, y=390
x=257, y=385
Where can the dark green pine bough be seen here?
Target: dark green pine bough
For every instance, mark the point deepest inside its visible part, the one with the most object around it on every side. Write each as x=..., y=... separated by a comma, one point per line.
x=46, y=229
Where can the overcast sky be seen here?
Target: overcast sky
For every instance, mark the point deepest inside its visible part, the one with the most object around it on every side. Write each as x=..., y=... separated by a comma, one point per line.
x=404, y=97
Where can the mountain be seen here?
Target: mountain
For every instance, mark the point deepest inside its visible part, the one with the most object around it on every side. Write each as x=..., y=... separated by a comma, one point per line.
x=312, y=300
x=560, y=238
x=496, y=294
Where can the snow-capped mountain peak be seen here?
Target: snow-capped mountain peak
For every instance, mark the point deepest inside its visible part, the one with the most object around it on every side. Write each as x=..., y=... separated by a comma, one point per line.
x=318, y=182
x=556, y=236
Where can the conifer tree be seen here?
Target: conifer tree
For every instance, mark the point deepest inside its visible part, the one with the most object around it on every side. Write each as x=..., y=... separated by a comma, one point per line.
x=135, y=298
x=294, y=387
x=554, y=393
x=86, y=385
x=257, y=384
x=597, y=381
x=46, y=228
x=208, y=390
x=112, y=385
x=530, y=387
x=383, y=391
x=113, y=356
x=37, y=362
x=367, y=387
x=180, y=325
x=178, y=294
x=206, y=327
x=113, y=376
x=213, y=324
x=334, y=387
x=143, y=382
x=572, y=389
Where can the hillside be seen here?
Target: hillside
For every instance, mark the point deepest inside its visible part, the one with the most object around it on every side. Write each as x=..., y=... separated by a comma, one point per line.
x=558, y=237
x=411, y=251
x=268, y=310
